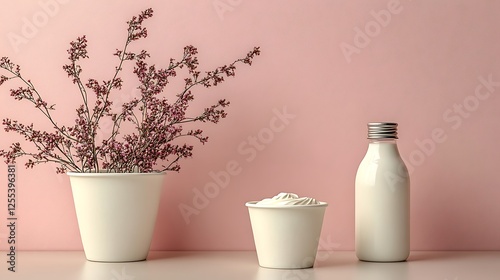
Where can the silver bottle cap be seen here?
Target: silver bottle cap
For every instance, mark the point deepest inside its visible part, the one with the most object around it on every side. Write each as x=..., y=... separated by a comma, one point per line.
x=382, y=130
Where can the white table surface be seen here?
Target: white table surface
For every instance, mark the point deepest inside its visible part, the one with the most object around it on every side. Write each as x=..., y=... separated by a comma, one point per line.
x=236, y=265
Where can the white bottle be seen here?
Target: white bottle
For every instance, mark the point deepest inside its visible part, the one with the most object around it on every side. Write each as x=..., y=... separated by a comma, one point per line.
x=382, y=199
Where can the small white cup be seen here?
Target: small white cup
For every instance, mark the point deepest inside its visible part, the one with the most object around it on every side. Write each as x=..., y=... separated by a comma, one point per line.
x=286, y=236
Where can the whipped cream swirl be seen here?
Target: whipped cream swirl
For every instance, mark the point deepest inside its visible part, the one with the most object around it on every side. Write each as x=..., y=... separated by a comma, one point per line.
x=288, y=199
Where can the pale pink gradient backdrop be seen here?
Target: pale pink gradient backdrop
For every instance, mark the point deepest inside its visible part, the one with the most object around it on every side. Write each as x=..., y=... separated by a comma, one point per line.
x=427, y=59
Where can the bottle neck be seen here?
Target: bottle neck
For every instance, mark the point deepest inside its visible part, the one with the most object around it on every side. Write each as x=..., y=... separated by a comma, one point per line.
x=383, y=141
x=383, y=147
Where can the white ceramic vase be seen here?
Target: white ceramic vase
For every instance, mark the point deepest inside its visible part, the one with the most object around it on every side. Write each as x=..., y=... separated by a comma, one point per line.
x=116, y=213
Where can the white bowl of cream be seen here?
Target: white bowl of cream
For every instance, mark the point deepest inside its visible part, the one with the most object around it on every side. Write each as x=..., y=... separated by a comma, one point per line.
x=286, y=230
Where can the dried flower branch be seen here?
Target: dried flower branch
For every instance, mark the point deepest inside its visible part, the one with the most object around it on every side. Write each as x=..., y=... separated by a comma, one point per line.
x=157, y=122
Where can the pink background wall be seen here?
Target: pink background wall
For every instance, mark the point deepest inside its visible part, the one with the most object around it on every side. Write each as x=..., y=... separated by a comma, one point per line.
x=422, y=68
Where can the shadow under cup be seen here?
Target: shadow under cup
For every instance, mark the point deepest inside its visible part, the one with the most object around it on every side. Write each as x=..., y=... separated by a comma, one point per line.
x=286, y=236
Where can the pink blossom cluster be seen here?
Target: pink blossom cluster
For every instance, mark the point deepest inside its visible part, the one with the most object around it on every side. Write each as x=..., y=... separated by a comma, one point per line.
x=157, y=121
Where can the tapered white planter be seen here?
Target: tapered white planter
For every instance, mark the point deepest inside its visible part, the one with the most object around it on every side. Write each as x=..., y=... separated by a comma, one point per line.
x=116, y=213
